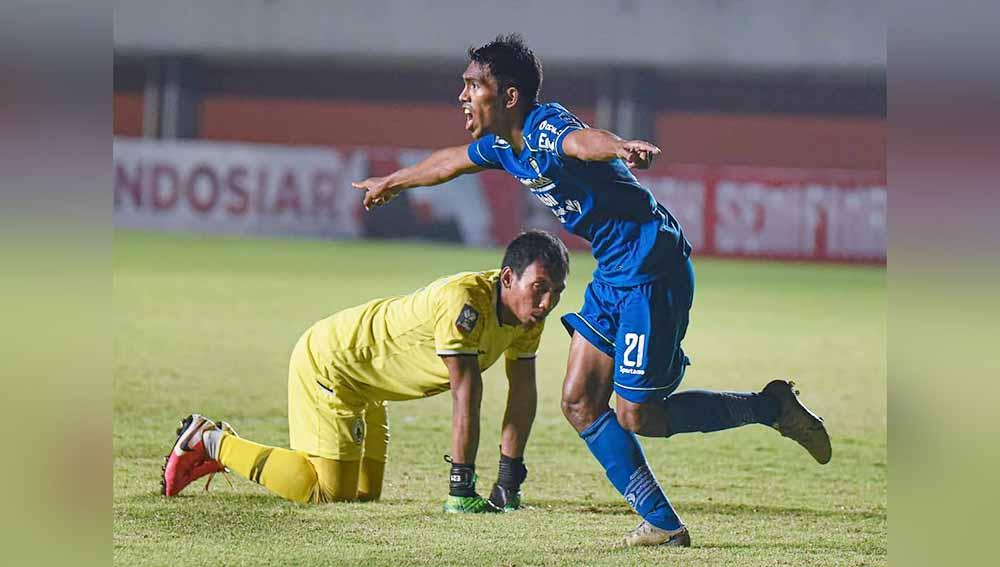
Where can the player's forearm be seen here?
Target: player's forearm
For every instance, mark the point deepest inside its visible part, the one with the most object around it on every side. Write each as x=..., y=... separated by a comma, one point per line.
x=522, y=403
x=466, y=401
x=439, y=167
x=593, y=144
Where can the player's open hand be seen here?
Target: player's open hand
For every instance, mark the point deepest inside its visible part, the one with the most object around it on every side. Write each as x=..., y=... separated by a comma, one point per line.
x=638, y=154
x=377, y=192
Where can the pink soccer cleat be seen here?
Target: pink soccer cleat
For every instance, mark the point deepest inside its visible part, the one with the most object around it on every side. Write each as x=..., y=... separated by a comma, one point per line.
x=188, y=461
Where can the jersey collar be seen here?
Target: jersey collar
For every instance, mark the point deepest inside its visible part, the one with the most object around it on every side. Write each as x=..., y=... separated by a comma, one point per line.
x=529, y=123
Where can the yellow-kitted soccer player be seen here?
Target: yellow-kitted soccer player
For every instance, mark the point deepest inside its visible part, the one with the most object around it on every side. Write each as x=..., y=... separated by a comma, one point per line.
x=346, y=367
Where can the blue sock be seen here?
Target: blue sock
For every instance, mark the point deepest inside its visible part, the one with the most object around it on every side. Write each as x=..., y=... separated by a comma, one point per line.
x=706, y=411
x=619, y=453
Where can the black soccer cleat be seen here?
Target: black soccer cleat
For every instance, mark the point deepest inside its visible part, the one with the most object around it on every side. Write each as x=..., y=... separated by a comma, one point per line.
x=796, y=422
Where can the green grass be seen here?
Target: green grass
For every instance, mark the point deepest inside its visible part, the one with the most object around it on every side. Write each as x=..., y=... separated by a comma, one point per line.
x=207, y=324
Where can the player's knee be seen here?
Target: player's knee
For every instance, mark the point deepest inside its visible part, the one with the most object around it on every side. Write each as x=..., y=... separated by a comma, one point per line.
x=570, y=409
x=631, y=419
x=578, y=413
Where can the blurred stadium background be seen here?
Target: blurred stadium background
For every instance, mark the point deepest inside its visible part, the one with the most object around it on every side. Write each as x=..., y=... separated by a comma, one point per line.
x=252, y=117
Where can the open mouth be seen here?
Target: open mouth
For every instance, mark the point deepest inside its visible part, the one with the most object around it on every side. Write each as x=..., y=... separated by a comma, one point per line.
x=468, y=118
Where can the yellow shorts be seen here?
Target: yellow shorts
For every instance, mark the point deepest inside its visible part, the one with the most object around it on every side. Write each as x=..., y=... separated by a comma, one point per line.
x=328, y=418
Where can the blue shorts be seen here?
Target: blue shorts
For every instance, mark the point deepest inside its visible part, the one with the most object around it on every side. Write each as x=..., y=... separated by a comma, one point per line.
x=641, y=327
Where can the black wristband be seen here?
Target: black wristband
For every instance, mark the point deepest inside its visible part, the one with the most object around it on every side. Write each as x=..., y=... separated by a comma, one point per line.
x=512, y=472
x=462, y=480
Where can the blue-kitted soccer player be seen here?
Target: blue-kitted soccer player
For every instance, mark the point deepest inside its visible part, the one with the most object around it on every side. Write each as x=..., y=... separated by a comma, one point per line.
x=627, y=336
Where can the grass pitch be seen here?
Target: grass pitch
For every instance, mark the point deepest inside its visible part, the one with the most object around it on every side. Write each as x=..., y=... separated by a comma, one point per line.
x=207, y=324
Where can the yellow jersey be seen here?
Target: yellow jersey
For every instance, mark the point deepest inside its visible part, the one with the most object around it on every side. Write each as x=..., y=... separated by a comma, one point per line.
x=391, y=348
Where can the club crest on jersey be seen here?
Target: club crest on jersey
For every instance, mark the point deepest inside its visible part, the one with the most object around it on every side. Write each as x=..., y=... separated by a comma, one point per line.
x=358, y=431
x=467, y=319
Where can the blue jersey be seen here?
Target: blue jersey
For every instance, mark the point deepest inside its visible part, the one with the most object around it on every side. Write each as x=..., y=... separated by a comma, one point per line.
x=634, y=239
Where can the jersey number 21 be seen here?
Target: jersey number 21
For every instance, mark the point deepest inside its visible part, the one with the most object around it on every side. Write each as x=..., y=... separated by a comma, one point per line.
x=637, y=343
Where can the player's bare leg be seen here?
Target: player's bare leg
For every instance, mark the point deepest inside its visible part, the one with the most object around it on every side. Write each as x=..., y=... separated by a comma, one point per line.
x=587, y=387
x=586, y=393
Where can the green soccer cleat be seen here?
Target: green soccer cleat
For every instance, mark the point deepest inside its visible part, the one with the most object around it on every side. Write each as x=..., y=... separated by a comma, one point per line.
x=796, y=422
x=467, y=505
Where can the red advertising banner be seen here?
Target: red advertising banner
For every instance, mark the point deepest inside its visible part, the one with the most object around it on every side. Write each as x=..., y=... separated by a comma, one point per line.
x=828, y=215
x=819, y=215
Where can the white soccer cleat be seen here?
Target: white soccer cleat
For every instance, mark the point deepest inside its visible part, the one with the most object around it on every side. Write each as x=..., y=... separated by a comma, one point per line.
x=646, y=534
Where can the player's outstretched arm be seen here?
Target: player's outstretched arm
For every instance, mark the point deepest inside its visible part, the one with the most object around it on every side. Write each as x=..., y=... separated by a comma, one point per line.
x=522, y=401
x=441, y=166
x=594, y=144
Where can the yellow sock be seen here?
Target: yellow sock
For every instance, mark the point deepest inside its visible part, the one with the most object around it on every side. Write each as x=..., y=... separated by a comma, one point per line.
x=293, y=475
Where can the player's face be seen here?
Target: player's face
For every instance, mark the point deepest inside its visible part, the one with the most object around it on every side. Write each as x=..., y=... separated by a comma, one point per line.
x=531, y=297
x=479, y=99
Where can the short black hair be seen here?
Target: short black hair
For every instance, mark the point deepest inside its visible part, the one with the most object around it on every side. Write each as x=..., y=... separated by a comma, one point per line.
x=512, y=64
x=537, y=246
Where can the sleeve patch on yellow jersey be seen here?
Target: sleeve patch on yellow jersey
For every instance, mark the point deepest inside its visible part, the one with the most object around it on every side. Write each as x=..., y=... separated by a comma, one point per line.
x=467, y=319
